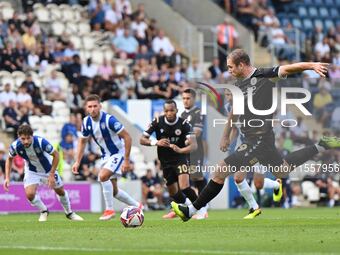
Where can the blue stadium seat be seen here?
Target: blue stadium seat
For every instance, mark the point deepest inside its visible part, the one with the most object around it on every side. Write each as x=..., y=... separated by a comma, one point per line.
x=313, y=12
x=318, y=23
x=297, y=23
x=307, y=24
x=328, y=23
x=308, y=2
x=302, y=11
x=334, y=13
x=318, y=2
x=284, y=22
x=329, y=3
x=323, y=12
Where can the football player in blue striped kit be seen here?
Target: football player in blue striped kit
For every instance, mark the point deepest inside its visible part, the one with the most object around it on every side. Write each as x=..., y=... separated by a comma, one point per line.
x=41, y=161
x=115, y=145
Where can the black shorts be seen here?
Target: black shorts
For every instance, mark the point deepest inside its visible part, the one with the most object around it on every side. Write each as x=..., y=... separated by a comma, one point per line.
x=171, y=172
x=253, y=150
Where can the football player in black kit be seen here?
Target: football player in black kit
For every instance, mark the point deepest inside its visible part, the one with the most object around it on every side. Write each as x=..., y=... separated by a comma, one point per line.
x=192, y=114
x=175, y=140
x=259, y=144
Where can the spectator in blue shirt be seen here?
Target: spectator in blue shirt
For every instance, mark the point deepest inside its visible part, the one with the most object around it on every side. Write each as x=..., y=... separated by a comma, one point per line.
x=126, y=44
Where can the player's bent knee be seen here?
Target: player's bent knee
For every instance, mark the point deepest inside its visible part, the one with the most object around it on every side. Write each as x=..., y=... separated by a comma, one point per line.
x=30, y=196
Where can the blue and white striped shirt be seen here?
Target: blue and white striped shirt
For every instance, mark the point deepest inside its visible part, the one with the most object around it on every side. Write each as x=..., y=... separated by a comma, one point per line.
x=105, y=133
x=37, y=156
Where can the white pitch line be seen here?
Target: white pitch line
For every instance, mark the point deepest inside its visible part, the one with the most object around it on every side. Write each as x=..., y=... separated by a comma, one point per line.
x=47, y=248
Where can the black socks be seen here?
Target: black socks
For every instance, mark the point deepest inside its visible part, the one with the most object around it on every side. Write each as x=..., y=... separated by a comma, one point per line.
x=208, y=193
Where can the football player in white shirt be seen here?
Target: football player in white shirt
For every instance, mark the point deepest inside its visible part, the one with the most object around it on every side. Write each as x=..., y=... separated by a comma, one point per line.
x=41, y=161
x=115, y=145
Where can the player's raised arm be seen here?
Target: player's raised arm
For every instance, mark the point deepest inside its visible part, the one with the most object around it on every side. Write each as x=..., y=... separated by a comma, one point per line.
x=8, y=168
x=79, y=155
x=127, y=143
x=318, y=67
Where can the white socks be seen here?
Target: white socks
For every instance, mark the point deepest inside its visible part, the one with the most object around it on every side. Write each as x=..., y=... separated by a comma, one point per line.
x=125, y=198
x=38, y=203
x=108, y=194
x=65, y=202
x=187, y=202
x=247, y=193
x=270, y=184
x=192, y=210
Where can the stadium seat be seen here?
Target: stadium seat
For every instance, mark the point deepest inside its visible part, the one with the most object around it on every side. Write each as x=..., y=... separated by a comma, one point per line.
x=56, y=14
x=334, y=13
x=108, y=54
x=97, y=56
x=84, y=54
x=71, y=28
x=18, y=73
x=297, y=23
x=307, y=24
x=88, y=42
x=68, y=14
x=42, y=14
x=318, y=23
x=328, y=24
x=35, y=121
x=329, y=3
x=37, y=6
x=8, y=79
x=302, y=11
x=46, y=120
x=4, y=4
x=318, y=2
x=18, y=81
x=313, y=12
x=4, y=73
x=7, y=12
x=323, y=12
x=58, y=28
x=84, y=28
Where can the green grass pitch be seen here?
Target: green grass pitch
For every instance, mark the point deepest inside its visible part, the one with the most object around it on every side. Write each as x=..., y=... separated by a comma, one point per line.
x=276, y=231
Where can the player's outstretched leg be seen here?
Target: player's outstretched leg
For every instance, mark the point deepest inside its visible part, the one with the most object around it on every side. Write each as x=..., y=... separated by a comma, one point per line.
x=34, y=199
x=214, y=187
x=123, y=196
x=64, y=200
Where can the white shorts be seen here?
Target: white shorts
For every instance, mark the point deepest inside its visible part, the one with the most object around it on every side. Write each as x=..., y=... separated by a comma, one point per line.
x=32, y=178
x=113, y=164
